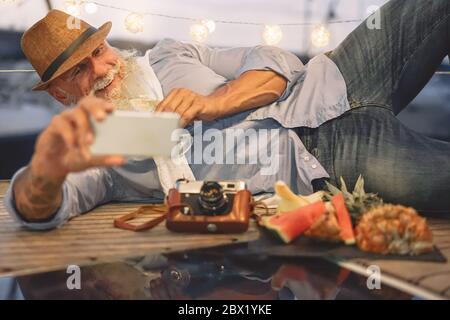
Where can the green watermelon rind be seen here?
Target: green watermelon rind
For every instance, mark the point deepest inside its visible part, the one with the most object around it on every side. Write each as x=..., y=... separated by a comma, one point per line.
x=313, y=216
x=277, y=232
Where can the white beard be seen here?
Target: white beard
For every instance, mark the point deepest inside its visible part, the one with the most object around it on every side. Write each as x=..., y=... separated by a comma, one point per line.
x=133, y=91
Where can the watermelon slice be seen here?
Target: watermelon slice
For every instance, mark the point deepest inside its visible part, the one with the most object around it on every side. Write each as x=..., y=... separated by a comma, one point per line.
x=344, y=220
x=289, y=225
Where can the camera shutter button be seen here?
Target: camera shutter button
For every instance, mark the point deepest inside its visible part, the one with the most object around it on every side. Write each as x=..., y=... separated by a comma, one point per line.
x=211, y=227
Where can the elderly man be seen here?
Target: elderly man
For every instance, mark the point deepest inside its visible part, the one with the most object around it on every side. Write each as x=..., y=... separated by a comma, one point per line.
x=334, y=117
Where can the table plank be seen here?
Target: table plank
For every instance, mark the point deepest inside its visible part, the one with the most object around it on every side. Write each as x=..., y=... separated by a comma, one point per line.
x=92, y=238
x=3, y=186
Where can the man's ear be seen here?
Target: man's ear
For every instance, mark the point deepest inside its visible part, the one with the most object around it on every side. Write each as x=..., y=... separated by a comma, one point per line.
x=57, y=94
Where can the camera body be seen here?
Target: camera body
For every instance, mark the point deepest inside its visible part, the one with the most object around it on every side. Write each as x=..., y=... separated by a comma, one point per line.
x=209, y=207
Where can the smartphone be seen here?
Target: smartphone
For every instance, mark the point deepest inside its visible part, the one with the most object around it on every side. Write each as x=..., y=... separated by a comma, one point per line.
x=132, y=133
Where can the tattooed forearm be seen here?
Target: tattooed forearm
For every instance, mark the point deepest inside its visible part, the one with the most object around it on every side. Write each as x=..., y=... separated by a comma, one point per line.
x=252, y=89
x=37, y=197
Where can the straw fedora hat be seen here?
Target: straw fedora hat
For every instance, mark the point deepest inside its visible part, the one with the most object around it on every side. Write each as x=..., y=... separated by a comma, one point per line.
x=53, y=46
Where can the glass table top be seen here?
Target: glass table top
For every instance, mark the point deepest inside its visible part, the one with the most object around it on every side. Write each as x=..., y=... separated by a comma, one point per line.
x=201, y=274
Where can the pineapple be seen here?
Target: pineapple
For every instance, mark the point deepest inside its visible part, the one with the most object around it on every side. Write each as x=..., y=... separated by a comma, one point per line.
x=384, y=228
x=393, y=229
x=326, y=228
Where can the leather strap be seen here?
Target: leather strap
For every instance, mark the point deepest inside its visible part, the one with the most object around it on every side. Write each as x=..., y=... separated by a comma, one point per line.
x=66, y=54
x=122, y=223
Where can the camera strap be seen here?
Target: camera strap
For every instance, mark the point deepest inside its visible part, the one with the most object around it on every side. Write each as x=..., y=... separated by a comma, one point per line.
x=161, y=210
x=158, y=209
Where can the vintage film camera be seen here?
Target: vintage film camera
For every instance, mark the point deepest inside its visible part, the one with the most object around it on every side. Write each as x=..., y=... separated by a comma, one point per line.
x=209, y=207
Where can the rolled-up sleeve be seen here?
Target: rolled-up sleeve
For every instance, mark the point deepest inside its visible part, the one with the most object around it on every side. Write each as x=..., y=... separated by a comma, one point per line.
x=81, y=192
x=232, y=62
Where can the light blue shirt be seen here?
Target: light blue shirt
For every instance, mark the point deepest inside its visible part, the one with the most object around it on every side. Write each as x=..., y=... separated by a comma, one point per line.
x=315, y=94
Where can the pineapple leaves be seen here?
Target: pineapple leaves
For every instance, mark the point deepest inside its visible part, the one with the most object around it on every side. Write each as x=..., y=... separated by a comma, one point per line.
x=344, y=189
x=334, y=190
x=359, y=186
x=358, y=201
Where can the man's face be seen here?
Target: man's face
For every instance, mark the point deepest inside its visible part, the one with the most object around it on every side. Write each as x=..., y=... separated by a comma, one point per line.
x=100, y=71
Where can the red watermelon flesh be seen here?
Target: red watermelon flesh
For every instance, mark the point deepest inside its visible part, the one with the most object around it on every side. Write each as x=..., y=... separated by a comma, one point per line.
x=344, y=219
x=289, y=225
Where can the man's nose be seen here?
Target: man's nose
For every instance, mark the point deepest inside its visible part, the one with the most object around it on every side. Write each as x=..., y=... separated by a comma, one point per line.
x=98, y=68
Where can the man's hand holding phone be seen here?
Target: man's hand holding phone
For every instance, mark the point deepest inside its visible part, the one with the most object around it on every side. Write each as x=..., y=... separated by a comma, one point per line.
x=64, y=146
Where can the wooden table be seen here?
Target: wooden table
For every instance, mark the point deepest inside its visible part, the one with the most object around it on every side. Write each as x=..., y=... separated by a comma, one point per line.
x=91, y=239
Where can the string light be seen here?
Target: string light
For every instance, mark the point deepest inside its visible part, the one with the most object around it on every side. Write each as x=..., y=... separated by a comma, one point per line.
x=73, y=10
x=134, y=22
x=90, y=7
x=320, y=36
x=9, y=2
x=73, y=7
x=210, y=24
x=201, y=29
x=199, y=32
x=272, y=34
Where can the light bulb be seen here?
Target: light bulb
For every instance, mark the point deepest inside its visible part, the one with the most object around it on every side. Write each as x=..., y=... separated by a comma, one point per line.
x=73, y=8
x=320, y=36
x=199, y=32
x=90, y=7
x=134, y=22
x=272, y=34
x=11, y=2
x=210, y=24
x=8, y=2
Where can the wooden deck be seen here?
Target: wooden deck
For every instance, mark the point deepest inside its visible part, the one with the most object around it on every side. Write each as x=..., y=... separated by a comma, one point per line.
x=91, y=239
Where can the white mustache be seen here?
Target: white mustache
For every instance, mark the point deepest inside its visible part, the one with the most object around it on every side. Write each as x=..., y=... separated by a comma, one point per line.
x=107, y=79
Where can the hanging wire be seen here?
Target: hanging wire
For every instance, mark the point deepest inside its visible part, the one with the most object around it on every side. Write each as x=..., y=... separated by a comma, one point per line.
x=16, y=71
x=147, y=13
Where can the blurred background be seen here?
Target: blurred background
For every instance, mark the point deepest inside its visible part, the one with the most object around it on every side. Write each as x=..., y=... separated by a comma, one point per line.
x=305, y=27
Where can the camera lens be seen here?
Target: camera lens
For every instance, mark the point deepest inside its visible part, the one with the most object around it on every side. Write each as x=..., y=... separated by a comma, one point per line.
x=212, y=200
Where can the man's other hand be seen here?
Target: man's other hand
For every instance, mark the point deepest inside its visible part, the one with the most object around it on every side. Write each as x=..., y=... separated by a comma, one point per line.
x=190, y=106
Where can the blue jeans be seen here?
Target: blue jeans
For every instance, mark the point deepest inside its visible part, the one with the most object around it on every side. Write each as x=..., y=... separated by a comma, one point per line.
x=384, y=70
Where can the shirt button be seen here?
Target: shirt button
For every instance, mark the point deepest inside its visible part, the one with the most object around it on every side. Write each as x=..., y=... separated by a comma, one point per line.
x=314, y=166
x=307, y=158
